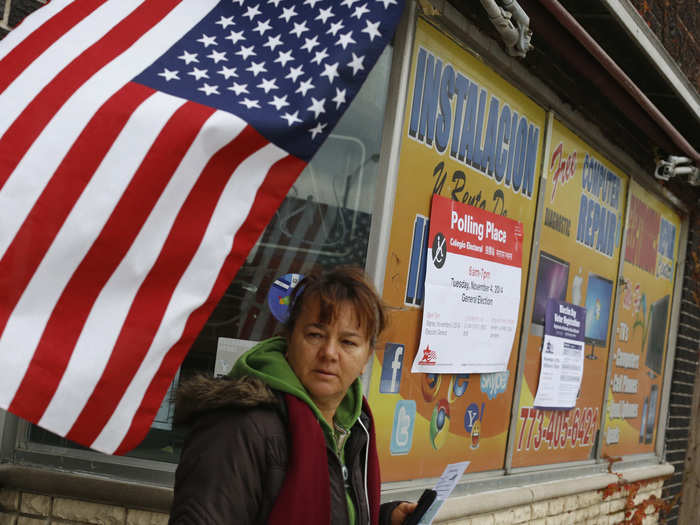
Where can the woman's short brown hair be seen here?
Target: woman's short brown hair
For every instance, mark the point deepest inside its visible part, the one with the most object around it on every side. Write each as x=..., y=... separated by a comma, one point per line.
x=332, y=288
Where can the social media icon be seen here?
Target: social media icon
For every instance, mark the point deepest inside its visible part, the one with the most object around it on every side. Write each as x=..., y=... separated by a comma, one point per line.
x=402, y=431
x=392, y=367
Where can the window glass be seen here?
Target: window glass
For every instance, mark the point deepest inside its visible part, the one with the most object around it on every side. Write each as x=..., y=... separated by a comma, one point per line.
x=324, y=220
x=577, y=264
x=643, y=314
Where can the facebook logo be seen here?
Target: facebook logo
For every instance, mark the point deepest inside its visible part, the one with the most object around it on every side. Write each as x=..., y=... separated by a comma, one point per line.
x=391, y=368
x=402, y=431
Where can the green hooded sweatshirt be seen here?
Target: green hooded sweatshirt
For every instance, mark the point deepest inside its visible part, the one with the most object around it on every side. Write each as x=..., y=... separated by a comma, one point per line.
x=267, y=362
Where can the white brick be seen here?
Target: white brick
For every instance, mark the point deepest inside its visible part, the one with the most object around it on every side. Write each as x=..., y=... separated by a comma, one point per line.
x=604, y=507
x=592, y=511
x=503, y=517
x=554, y=520
x=142, y=517
x=616, y=518
x=556, y=506
x=540, y=521
x=35, y=504
x=590, y=498
x=25, y=520
x=8, y=519
x=96, y=513
x=522, y=514
x=538, y=510
x=616, y=505
x=570, y=502
x=9, y=499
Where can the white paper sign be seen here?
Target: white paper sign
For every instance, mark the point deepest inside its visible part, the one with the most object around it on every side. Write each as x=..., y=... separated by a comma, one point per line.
x=562, y=355
x=472, y=290
x=444, y=487
x=228, y=350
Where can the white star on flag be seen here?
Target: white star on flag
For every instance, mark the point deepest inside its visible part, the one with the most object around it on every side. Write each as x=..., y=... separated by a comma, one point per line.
x=188, y=57
x=209, y=90
x=235, y=36
x=227, y=72
x=304, y=87
x=169, y=75
x=279, y=102
x=199, y=74
x=217, y=56
x=291, y=118
x=356, y=64
x=318, y=128
x=295, y=72
x=317, y=106
x=239, y=88
x=372, y=30
x=225, y=21
x=207, y=40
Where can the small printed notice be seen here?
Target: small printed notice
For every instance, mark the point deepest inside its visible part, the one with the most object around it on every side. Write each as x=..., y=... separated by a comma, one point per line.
x=472, y=290
x=562, y=355
x=444, y=487
x=228, y=350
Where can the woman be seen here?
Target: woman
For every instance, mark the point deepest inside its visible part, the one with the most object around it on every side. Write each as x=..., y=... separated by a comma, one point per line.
x=289, y=438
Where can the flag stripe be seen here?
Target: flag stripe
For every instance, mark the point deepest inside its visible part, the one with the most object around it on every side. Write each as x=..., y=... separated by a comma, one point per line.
x=103, y=325
x=274, y=188
x=30, y=24
x=56, y=201
x=88, y=216
x=150, y=303
x=105, y=254
x=37, y=42
x=24, y=131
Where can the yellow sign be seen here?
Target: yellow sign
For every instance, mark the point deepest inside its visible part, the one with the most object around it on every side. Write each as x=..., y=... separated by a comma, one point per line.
x=578, y=263
x=470, y=136
x=634, y=392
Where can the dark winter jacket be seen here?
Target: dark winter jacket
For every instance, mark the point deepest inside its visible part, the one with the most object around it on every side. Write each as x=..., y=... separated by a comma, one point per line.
x=234, y=460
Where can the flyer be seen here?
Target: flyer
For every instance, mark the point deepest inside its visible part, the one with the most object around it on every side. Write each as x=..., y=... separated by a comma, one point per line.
x=562, y=355
x=444, y=487
x=472, y=290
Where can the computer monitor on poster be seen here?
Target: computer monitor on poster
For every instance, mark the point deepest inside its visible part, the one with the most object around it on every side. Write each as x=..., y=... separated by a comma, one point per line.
x=598, y=301
x=656, y=335
x=552, y=282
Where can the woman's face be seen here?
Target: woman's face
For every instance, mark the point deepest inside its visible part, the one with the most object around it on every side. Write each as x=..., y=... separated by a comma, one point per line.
x=327, y=358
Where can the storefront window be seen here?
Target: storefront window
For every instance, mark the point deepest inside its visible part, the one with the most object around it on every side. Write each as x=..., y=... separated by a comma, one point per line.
x=324, y=221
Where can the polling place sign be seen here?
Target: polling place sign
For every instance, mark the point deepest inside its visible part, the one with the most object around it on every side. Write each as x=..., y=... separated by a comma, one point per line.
x=472, y=290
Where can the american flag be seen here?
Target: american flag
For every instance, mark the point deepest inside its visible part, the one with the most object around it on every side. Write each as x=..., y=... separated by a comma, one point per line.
x=144, y=146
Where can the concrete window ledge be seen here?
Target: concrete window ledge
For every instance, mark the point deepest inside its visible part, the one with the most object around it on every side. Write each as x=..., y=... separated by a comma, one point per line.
x=86, y=487
x=497, y=500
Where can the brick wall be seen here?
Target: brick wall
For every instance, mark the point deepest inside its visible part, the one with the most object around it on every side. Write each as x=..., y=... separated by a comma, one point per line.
x=683, y=406
x=676, y=24
x=26, y=508
x=586, y=508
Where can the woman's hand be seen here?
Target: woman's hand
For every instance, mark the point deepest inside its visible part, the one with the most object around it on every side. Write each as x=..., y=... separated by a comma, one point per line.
x=401, y=512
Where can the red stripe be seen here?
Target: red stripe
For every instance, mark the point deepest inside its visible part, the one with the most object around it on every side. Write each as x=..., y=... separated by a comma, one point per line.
x=276, y=185
x=151, y=301
x=27, y=127
x=42, y=38
x=104, y=256
x=39, y=229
